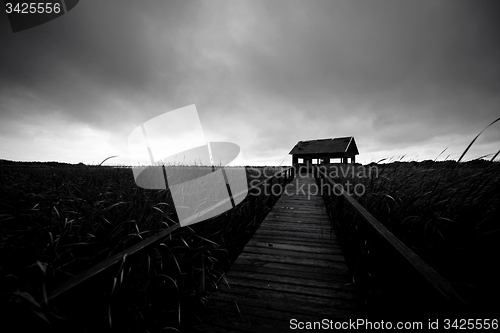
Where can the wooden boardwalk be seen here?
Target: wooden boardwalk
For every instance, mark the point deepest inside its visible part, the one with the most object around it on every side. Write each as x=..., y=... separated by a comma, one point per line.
x=292, y=268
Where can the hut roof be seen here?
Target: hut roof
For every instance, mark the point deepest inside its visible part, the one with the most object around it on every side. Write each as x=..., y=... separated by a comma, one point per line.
x=326, y=146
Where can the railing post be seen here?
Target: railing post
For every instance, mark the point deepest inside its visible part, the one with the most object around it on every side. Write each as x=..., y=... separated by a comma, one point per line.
x=253, y=199
x=270, y=198
x=201, y=285
x=339, y=207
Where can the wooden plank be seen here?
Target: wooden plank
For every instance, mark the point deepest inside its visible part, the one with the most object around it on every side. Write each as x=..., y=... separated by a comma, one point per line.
x=297, y=241
x=291, y=237
x=265, y=258
x=301, y=220
x=298, y=248
x=325, y=233
x=319, y=243
x=335, y=293
x=310, y=236
x=298, y=218
x=293, y=208
x=305, y=217
x=293, y=266
x=333, y=275
x=283, y=278
x=303, y=229
x=304, y=233
x=338, y=257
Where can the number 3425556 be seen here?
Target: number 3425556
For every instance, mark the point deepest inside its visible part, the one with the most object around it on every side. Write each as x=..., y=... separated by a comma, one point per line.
x=32, y=8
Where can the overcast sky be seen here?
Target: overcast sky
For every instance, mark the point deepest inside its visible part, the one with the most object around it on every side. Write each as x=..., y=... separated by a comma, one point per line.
x=403, y=77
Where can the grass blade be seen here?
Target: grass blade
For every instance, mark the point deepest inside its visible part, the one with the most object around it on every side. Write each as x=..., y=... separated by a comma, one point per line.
x=477, y=136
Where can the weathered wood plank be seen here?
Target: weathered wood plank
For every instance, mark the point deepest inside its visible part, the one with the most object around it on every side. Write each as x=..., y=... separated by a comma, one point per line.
x=333, y=275
x=283, y=278
x=344, y=294
x=298, y=227
x=298, y=219
x=265, y=258
x=295, y=254
x=290, y=247
x=292, y=266
x=300, y=231
x=307, y=235
x=296, y=239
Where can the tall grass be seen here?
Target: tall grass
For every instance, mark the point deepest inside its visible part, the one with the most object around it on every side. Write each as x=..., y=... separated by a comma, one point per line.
x=56, y=222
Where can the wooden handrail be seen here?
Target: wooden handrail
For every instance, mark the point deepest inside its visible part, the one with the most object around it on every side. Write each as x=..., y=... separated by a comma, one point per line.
x=442, y=286
x=110, y=262
x=132, y=251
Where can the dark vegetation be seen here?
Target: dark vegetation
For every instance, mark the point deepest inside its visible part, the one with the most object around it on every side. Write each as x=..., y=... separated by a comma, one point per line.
x=448, y=213
x=57, y=221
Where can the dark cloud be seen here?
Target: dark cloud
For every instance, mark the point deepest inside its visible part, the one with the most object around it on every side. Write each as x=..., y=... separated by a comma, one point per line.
x=98, y=51
x=266, y=73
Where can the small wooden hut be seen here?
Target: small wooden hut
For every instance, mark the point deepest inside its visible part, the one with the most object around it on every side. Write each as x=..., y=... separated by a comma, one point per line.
x=325, y=151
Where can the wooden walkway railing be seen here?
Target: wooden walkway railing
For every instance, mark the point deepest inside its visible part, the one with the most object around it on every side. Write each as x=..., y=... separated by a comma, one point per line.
x=292, y=271
x=143, y=246
x=435, y=281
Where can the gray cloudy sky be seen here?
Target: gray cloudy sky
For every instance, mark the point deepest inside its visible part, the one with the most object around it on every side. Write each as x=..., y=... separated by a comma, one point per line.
x=402, y=77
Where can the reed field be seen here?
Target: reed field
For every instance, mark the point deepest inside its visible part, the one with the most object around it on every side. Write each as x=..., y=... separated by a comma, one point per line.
x=58, y=221
x=448, y=213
